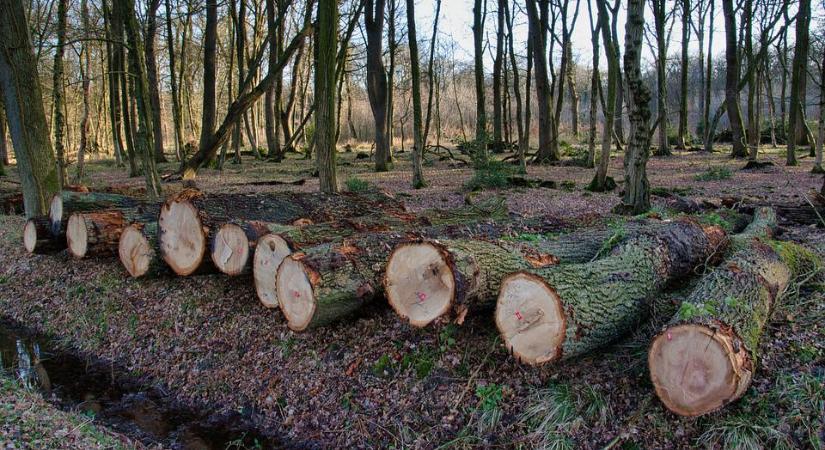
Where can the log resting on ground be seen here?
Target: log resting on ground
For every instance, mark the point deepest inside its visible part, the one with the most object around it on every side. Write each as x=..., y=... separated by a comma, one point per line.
x=272, y=248
x=324, y=283
x=63, y=204
x=188, y=220
x=429, y=280
x=705, y=357
x=138, y=250
x=545, y=315
x=38, y=237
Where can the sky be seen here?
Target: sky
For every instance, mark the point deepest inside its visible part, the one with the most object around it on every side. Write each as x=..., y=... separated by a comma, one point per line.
x=457, y=18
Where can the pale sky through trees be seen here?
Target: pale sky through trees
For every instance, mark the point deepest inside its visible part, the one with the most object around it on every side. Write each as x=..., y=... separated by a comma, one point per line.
x=457, y=18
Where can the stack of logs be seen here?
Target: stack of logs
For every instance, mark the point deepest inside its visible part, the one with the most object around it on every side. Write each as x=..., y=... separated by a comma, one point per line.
x=320, y=258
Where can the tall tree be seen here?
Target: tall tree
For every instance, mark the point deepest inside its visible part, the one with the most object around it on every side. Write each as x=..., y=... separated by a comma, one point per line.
x=4, y=151
x=520, y=126
x=478, y=59
x=820, y=143
x=113, y=80
x=636, y=199
x=498, y=63
x=20, y=88
x=210, y=43
x=660, y=19
x=418, y=137
x=683, y=78
x=732, y=81
x=325, y=77
x=600, y=181
x=430, y=72
x=144, y=138
x=538, y=22
x=595, y=88
x=85, y=75
x=58, y=106
x=709, y=80
x=799, y=74
x=377, y=81
x=152, y=77
x=177, y=117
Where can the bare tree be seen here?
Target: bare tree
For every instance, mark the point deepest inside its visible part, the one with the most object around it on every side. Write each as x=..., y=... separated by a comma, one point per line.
x=600, y=181
x=59, y=122
x=210, y=42
x=152, y=76
x=85, y=75
x=418, y=137
x=538, y=19
x=799, y=75
x=325, y=77
x=479, y=13
x=732, y=81
x=377, y=81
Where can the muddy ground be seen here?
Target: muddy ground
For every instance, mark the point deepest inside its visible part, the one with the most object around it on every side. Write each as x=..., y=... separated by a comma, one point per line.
x=375, y=382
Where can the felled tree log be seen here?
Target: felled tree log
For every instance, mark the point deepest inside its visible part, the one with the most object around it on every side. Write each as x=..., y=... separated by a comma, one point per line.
x=95, y=233
x=38, y=237
x=188, y=220
x=705, y=357
x=548, y=314
x=428, y=280
x=138, y=250
x=63, y=204
x=324, y=283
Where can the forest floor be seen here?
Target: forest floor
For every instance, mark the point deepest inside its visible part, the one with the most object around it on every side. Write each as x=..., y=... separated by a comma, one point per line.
x=373, y=381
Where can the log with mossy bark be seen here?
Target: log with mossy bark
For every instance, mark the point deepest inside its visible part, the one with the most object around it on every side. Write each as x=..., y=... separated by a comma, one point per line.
x=437, y=279
x=63, y=204
x=325, y=283
x=188, y=220
x=39, y=239
x=545, y=315
x=705, y=357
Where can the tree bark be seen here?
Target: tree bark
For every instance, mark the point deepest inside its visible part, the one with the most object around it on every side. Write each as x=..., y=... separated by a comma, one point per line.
x=705, y=357
x=799, y=75
x=38, y=238
x=85, y=72
x=173, y=82
x=636, y=199
x=20, y=87
x=820, y=144
x=64, y=204
x=430, y=72
x=152, y=79
x=377, y=80
x=538, y=22
x=595, y=89
x=683, y=79
x=520, y=125
x=418, y=137
x=4, y=151
x=659, y=19
x=59, y=122
x=731, y=82
x=327, y=43
x=550, y=314
x=210, y=38
x=600, y=180
x=478, y=72
x=708, y=138
x=112, y=67
x=498, y=64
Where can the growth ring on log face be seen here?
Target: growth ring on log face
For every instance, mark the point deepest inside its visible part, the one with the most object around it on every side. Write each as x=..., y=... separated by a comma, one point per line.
x=696, y=369
x=135, y=251
x=295, y=294
x=419, y=283
x=230, y=249
x=530, y=318
x=270, y=251
x=30, y=236
x=182, y=239
x=77, y=236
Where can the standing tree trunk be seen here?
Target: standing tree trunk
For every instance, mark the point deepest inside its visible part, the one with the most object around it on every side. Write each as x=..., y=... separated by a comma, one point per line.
x=430, y=73
x=821, y=141
x=538, y=23
x=272, y=98
x=418, y=137
x=85, y=72
x=210, y=42
x=176, y=111
x=659, y=19
x=377, y=81
x=799, y=74
x=709, y=82
x=732, y=81
x=112, y=67
x=152, y=78
x=520, y=126
x=478, y=58
x=59, y=122
x=600, y=181
x=753, y=131
x=595, y=89
x=683, y=80
x=4, y=151
x=20, y=87
x=498, y=62
x=392, y=45
x=326, y=49
x=636, y=198
x=572, y=90
x=137, y=64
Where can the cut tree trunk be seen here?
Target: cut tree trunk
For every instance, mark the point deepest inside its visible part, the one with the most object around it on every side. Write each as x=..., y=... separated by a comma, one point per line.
x=429, y=280
x=62, y=205
x=545, y=315
x=705, y=358
x=330, y=281
x=95, y=233
x=282, y=240
x=38, y=237
x=138, y=250
x=188, y=220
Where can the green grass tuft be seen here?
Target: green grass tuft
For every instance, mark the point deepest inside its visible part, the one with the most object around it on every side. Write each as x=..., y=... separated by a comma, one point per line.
x=714, y=174
x=355, y=184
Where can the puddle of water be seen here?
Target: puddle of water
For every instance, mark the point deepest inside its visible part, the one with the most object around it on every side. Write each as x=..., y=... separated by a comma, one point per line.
x=115, y=400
